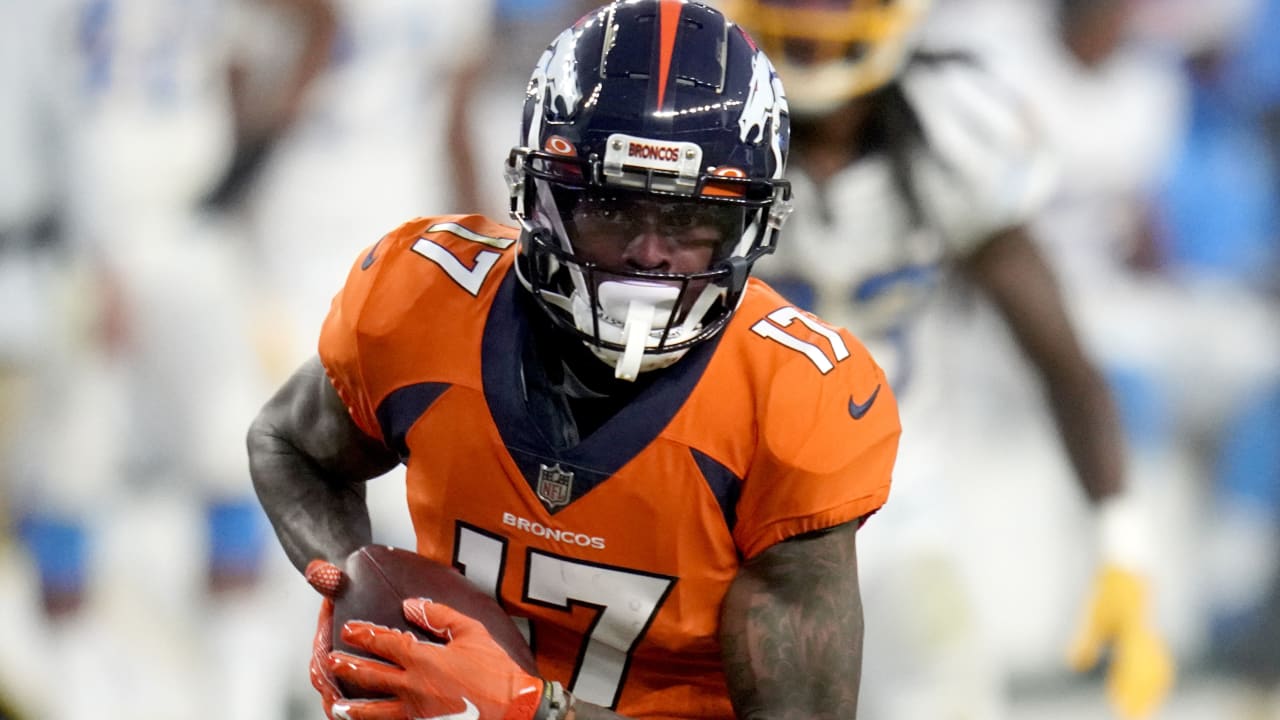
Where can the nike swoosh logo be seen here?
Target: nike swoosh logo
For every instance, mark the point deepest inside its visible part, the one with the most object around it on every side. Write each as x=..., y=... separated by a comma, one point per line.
x=857, y=410
x=470, y=712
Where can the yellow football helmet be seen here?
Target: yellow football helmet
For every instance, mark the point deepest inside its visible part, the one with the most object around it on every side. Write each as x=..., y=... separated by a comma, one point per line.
x=828, y=51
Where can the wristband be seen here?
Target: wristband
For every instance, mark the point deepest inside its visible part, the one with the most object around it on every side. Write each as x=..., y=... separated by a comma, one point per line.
x=1122, y=533
x=555, y=704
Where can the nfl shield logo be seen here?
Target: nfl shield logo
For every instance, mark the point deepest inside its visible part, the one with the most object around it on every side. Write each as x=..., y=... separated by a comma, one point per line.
x=555, y=486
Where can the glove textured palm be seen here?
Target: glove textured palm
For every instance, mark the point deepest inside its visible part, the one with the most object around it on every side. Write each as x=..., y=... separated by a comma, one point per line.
x=1141, y=669
x=328, y=580
x=466, y=675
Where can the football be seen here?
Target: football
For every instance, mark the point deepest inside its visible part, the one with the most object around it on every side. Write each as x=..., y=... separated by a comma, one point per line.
x=380, y=578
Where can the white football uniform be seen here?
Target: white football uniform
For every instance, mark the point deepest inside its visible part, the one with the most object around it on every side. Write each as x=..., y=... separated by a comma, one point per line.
x=149, y=131
x=1182, y=353
x=29, y=272
x=149, y=107
x=368, y=151
x=150, y=429
x=31, y=149
x=875, y=264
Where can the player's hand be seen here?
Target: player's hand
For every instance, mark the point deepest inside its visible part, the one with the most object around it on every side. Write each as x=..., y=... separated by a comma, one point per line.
x=465, y=674
x=1141, y=666
x=327, y=579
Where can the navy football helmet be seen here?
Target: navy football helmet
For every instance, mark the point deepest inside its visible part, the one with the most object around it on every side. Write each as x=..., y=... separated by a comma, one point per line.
x=655, y=107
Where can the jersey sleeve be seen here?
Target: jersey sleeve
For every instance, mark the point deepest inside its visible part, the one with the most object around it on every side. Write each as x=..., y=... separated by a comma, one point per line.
x=423, y=285
x=987, y=165
x=347, y=326
x=828, y=442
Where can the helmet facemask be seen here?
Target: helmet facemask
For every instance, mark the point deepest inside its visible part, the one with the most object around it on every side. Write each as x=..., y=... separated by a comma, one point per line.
x=637, y=318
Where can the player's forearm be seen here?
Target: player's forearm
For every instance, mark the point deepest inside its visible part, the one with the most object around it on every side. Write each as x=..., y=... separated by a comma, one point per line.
x=791, y=630
x=313, y=516
x=1018, y=279
x=1089, y=424
x=318, y=21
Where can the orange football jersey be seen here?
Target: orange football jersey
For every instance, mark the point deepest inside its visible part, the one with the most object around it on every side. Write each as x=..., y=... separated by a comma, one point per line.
x=618, y=550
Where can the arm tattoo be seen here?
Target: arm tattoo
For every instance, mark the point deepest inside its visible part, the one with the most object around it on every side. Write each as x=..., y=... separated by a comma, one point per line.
x=791, y=630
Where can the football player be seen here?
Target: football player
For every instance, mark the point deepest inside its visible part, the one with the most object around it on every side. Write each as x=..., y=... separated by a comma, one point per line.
x=947, y=156
x=650, y=457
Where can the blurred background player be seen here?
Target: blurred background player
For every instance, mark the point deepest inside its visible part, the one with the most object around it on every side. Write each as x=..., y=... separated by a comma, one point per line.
x=946, y=153
x=1164, y=233
x=1111, y=110
x=30, y=255
x=384, y=133
x=280, y=49
x=147, y=539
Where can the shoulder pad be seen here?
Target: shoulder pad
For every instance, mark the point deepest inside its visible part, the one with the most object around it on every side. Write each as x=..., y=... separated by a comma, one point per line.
x=986, y=166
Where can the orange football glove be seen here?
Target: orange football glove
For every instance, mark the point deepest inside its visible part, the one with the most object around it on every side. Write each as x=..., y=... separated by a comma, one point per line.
x=467, y=675
x=327, y=579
